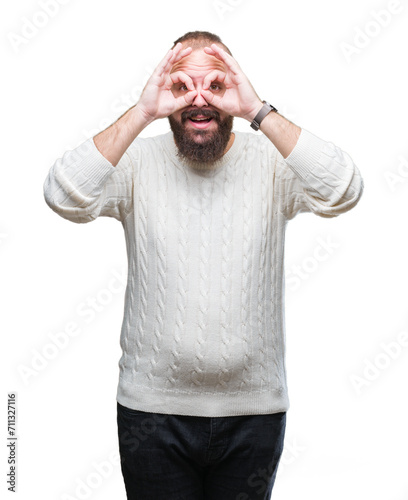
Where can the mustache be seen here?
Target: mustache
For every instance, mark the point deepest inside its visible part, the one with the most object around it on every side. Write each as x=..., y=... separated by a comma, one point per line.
x=207, y=113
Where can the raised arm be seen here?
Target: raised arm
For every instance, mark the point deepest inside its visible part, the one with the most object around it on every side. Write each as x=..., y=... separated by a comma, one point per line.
x=96, y=178
x=156, y=101
x=315, y=175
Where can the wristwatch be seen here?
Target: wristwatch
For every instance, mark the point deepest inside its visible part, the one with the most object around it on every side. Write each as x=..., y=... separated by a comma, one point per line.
x=266, y=108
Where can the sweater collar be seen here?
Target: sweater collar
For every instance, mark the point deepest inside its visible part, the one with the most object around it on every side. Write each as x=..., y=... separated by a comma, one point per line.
x=230, y=155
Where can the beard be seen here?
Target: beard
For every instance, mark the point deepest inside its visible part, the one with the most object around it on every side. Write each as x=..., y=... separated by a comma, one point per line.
x=210, y=146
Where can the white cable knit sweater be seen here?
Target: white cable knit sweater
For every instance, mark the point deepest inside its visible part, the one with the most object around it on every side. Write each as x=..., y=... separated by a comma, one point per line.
x=203, y=331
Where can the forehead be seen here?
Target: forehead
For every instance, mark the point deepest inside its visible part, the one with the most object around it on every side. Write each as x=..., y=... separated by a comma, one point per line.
x=198, y=63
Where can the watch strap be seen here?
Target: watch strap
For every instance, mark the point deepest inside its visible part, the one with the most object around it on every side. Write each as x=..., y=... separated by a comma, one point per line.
x=266, y=108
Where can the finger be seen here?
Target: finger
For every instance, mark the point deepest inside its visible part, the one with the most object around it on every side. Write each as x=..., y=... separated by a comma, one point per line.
x=173, y=53
x=176, y=56
x=179, y=76
x=183, y=53
x=160, y=67
x=211, y=77
x=209, y=50
x=168, y=60
x=211, y=98
x=225, y=57
x=186, y=99
x=163, y=63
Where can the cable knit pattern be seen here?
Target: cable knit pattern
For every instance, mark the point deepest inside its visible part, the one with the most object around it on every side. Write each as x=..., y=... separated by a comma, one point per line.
x=203, y=331
x=139, y=269
x=247, y=256
x=182, y=187
x=161, y=275
x=226, y=280
x=262, y=329
x=203, y=283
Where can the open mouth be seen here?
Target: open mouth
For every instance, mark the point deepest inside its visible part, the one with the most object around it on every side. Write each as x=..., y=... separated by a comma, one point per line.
x=200, y=122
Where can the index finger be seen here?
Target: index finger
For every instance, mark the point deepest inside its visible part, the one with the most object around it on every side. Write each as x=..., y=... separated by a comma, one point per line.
x=214, y=75
x=172, y=56
x=179, y=76
x=224, y=57
x=178, y=54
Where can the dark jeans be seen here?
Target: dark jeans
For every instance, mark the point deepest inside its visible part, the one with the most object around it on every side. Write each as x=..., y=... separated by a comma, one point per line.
x=176, y=457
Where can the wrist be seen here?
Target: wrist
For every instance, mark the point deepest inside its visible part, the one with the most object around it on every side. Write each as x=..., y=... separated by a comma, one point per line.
x=140, y=116
x=274, y=120
x=255, y=108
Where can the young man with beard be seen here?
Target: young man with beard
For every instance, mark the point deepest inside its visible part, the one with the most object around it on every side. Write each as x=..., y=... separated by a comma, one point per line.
x=202, y=394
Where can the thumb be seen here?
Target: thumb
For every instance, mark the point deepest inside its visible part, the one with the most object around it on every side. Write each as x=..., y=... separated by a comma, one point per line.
x=210, y=97
x=188, y=98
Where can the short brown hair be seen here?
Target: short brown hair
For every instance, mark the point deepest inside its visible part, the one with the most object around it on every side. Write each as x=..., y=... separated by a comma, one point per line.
x=201, y=39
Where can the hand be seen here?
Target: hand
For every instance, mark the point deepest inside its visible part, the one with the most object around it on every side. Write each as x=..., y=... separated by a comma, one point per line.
x=237, y=97
x=157, y=99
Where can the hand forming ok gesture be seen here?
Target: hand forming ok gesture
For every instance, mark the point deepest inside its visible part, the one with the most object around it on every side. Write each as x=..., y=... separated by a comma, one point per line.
x=157, y=99
x=238, y=97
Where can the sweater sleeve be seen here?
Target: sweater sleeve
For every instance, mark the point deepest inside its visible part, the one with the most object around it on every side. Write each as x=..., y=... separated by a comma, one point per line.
x=83, y=185
x=317, y=177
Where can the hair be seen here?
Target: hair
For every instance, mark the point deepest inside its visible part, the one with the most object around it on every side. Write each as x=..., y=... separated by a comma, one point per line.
x=199, y=39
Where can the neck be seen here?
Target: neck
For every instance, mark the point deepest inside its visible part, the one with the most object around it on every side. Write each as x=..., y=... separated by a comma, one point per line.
x=230, y=142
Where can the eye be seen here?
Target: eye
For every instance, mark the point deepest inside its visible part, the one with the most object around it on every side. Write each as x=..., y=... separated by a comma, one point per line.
x=183, y=87
x=215, y=86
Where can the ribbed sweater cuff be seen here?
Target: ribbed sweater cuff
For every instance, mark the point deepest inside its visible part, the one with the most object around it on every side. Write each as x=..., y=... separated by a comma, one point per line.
x=306, y=155
x=94, y=166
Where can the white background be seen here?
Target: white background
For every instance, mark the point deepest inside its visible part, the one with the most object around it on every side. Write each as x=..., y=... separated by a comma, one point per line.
x=74, y=76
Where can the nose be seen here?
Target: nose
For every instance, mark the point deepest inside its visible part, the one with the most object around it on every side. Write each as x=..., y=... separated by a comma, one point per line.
x=199, y=100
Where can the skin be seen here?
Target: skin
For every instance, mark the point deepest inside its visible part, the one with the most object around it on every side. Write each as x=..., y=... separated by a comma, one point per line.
x=236, y=97
x=197, y=66
x=200, y=79
x=240, y=99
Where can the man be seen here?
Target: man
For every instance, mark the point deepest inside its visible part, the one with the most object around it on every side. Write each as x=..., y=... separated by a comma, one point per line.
x=202, y=394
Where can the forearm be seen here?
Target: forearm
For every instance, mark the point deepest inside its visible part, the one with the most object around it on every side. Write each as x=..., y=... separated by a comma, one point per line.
x=115, y=140
x=281, y=132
